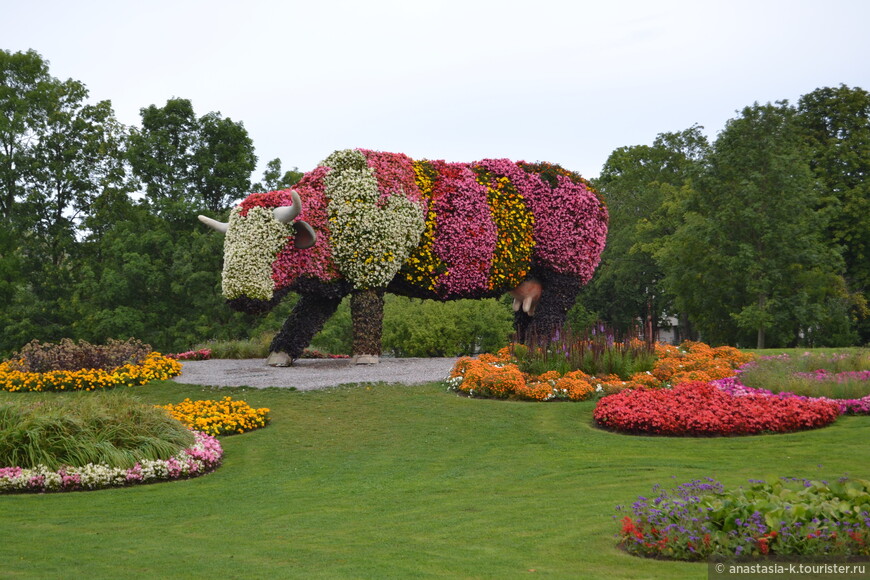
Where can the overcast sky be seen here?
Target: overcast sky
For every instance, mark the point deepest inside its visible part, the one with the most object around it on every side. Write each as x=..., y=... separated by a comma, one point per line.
x=540, y=80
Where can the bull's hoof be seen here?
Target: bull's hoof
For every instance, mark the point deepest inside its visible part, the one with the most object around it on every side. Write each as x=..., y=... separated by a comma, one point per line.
x=365, y=359
x=279, y=359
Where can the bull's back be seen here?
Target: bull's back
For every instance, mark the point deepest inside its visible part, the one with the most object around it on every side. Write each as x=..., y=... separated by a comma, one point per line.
x=485, y=225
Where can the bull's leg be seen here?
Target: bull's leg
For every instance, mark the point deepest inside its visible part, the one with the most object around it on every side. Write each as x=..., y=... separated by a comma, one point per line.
x=557, y=297
x=367, y=316
x=307, y=319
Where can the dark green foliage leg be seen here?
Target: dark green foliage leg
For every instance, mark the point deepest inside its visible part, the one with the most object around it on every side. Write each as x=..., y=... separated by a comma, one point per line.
x=367, y=315
x=558, y=296
x=307, y=319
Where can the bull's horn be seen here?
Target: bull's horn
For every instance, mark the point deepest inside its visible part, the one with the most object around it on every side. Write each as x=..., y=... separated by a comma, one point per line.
x=287, y=213
x=219, y=226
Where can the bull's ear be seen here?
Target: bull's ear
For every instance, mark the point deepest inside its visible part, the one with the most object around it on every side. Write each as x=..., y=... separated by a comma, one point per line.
x=305, y=235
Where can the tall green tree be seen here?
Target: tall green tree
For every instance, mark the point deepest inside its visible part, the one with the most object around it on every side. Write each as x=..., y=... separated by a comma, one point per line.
x=59, y=154
x=750, y=256
x=187, y=163
x=275, y=179
x=836, y=125
x=635, y=182
x=24, y=107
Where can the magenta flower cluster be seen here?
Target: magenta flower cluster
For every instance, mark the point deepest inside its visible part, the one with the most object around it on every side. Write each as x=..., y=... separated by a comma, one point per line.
x=733, y=386
x=466, y=231
x=569, y=228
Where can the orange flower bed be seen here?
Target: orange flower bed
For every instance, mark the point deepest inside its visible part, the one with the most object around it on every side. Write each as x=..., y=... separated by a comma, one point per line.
x=498, y=376
x=693, y=361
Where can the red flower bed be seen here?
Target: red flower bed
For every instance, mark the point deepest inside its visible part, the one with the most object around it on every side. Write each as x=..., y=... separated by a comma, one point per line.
x=698, y=408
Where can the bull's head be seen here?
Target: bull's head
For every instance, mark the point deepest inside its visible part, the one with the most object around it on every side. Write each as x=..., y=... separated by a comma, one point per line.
x=253, y=241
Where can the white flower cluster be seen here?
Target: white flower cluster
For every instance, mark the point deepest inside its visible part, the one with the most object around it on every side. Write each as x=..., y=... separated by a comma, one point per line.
x=371, y=237
x=251, y=244
x=202, y=457
x=454, y=382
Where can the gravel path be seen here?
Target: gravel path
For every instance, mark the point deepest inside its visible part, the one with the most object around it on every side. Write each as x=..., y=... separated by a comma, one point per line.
x=308, y=374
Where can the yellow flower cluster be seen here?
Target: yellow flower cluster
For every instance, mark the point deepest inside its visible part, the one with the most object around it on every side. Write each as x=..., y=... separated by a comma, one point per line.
x=155, y=367
x=515, y=225
x=423, y=267
x=224, y=417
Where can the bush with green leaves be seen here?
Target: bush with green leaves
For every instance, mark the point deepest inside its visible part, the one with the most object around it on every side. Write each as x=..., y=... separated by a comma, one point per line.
x=68, y=355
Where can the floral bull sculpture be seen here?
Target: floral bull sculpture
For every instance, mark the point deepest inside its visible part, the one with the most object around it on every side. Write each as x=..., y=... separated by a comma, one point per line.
x=366, y=222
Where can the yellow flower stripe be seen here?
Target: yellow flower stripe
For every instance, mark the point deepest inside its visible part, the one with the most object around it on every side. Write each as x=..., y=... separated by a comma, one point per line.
x=224, y=417
x=515, y=225
x=423, y=267
x=155, y=367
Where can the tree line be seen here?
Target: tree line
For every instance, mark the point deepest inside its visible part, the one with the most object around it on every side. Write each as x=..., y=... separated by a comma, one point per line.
x=761, y=236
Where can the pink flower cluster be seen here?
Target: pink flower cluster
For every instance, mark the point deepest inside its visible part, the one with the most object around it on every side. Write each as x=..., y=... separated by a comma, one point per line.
x=466, y=232
x=291, y=262
x=571, y=229
x=395, y=174
x=733, y=386
x=201, y=354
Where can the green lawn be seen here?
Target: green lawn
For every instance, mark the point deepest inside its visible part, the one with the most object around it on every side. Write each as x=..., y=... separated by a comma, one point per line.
x=398, y=482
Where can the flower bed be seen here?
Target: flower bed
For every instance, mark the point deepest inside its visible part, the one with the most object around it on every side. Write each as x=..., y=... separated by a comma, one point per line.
x=733, y=386
x=789, y=517
x=698, y=408
x=153, y=368
x=202, y=457
x=494, y=376
x=498, y=376
x=224, y=417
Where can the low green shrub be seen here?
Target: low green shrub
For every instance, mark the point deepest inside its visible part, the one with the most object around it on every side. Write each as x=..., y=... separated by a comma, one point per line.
x=257, y=347
x=82, y=428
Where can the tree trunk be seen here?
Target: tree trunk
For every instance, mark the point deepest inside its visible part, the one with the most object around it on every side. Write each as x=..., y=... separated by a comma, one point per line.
x=762, y=301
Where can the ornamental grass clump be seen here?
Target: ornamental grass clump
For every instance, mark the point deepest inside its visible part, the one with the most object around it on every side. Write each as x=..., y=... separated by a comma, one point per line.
x=78, y=430
x=596, y=353
x=832, y=376
x=788, y=517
